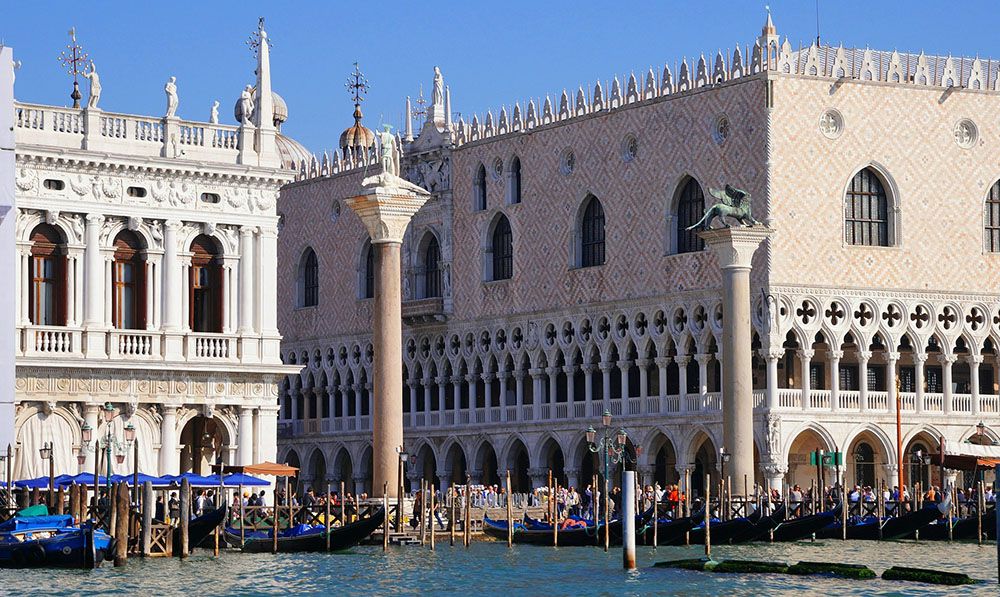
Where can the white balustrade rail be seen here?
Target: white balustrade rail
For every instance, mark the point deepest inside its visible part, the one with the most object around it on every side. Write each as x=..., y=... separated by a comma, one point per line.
x=133, y=344
x=210, y=347
x=45, y=340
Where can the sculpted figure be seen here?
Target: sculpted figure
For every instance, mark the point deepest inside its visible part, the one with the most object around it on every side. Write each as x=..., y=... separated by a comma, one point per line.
x=733, y=203
x=246, y=104
x=437, y=96
x=95, y=85
x=390, y=161
x=214, y=118
x=171, y=90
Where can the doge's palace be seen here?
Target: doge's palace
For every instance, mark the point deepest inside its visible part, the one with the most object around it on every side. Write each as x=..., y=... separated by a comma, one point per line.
x=551, y=276
x=145, y=278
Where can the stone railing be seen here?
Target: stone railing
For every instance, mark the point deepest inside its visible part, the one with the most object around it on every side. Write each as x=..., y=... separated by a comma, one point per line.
x=133, y=344
x=39, y=340
x=213, y=347
x=125, y=133
x=127, y=345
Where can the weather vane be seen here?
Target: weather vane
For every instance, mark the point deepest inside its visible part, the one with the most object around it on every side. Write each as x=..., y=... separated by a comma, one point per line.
x=253, y=42
x=421, y=109
x=357, y=85
x=71, y=58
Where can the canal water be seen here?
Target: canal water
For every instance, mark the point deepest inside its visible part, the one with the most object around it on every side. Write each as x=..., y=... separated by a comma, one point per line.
x=493, y=569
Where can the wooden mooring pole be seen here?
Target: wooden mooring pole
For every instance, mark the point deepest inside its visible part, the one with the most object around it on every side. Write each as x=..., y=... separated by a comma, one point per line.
x=385, y=521
x=451, y=516
x=185, y=515
x=326, y=518
x=708, y=516
x=431, y=512
x=510, y=513
x=121, y=504
x=145, y=531
x=467, y=526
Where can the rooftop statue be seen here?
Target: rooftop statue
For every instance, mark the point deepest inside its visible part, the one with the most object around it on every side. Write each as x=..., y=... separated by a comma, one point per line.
x=389, y=177
x=171, y=90
x=95, y=86
x=246, y=105
x=214, y=117
x=733, y=203
x=437, y=95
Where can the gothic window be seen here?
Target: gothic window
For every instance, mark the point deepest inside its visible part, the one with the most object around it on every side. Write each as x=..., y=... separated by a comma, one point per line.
x=992, y=219
x=690, y=209
x=367, y=286
x=308, y=279
x=47, y=272
x=206, y=286
x=866, y=211
x=479, y=189
x=514, y=192
x=432, y=268
x=128, y=300
x=591, y=227
x=502, y=249
x=864, y=465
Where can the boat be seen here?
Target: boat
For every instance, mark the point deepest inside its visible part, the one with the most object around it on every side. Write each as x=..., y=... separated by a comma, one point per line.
x=303, y=537
x=200, y=529
x=534, y=532
x=52, y=541
x=801, y=528
x=897, y=527
x=668, y=531
x=962, y=529
x=737, y=530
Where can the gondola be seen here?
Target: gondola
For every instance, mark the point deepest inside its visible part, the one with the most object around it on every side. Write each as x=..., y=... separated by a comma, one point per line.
x=801, y=528
x=200, y=529
x=962, y=529
x=306, y=538
x=892, y=528
x=737, y=530
x=52, y=541
x=668, y=531
x=533, y=532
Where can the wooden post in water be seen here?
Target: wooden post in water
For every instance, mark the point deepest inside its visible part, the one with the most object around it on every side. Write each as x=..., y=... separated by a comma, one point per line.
x=548, y=491
x=185, y=515
x=467, y=527
x=656, y=521
x=343, y=505
x=385, y=521
x=326, y=516
x=121, y=526
x=951, y=509
x=708, y=516
x=687, y=502
x=60, y=499
x=423, y=508
x=510, y=514
x=451, y=515
x=274, y=520
x=74, y=502
x=83, y=502
x=243, y=524
x=145, y=530
x=430, y=514
x=844, y=508
x=980, y=504
x=555, y=518
x=607, y=514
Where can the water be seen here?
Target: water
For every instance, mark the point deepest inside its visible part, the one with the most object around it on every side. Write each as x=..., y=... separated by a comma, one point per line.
x=491, y=568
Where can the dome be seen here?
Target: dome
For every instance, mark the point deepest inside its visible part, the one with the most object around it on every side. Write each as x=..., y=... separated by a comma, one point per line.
x=292, y=153
x=280, y=108
x=357, y=135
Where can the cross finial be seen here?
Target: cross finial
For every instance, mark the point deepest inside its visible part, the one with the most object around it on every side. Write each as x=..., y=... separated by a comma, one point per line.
x=72, y=58
x=254, y=41
x=357, y=85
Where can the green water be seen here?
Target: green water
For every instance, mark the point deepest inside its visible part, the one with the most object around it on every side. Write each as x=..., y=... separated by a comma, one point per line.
x=493, y=569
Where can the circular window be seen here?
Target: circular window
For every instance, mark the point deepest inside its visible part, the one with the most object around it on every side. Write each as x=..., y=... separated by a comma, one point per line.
x=567, y=162
x=335, y=212
x=497, y=169
x=831, y=124
x=966, y=133
x=721, y=131
x=630, y=148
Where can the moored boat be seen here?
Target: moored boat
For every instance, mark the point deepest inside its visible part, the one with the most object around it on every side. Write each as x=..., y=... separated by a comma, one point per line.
x=737, y=530
x=51, y=541
x=868, y=528
x=801, y=528
x=534, y=532
x=306, y=538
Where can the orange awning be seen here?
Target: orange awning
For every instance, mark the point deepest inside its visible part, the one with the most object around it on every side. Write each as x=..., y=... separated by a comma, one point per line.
x=269, y=468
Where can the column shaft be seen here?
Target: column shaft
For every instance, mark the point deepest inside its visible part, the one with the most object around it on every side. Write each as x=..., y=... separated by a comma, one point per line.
x=387, y=418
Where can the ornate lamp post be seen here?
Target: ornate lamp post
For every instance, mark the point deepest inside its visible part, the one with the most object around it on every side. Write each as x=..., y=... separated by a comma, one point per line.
x=612, y=447
x=46, y=453
x=724, y=457
x=108, y=444
x=403, y=458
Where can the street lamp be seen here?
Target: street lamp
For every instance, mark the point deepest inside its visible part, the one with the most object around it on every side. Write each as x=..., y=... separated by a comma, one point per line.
x=724, y=457
x=109, y=444
x=46, y=453
x=612, y=447
x=403, y=458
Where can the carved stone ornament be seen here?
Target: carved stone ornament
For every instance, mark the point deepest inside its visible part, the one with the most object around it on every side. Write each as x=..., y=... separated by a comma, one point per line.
x=133, y=223
x=27, y=179
x=387, y=207
x=51, y=216
x=831, y=124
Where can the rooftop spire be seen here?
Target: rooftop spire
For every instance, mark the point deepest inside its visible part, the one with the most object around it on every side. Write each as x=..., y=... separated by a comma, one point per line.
x=357, y=86
x=768, y=28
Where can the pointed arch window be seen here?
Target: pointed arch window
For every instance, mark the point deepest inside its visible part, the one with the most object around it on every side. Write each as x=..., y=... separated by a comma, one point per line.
x=514, y=192
x=591, y=228
x=502, y=246
x=368, y=272
x=206, y=285
x=479, y=189
x=128, y=297
x=690, y=208
x=47, y=277
x=866, y=211
x=432, y=268
x=308, y=279
x=992, y=219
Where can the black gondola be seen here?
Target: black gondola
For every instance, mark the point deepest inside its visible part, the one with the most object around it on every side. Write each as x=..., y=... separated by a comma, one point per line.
x=892, y=528
x=668, y=531
x=962, y=529
x=302, y=538
x=737, y=530
x=569, y=537
x=801, y=528
x=199, y=529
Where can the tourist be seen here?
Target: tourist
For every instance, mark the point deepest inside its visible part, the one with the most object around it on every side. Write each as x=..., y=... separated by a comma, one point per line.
x=200, y=503
x=174, y=506
x=158, y=511
x=795, y=500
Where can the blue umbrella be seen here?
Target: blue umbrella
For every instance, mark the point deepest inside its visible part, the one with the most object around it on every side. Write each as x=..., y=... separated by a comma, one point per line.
x=41, y=482
x=142, y=479
x=82, y=478
x=193, y=479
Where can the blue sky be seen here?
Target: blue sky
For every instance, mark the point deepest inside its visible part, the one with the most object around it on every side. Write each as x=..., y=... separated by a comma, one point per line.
x=491, y=53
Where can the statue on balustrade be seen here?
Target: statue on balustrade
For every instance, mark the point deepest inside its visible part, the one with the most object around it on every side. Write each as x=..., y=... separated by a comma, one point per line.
x=214, y=118
x=171, y=90
x=246, y=105
x=95, y=86
x=733, y=203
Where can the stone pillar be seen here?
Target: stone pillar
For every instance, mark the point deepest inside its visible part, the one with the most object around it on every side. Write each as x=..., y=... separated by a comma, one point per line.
x=169, y=458
x=703, y=360
x=246, y=319
x=386, y=210
x=427, y=381
x=734, y=249
x=573, y=477
x=539, y=476
x=863, y=357
x=244, y=454
x=536, y=392
x=442, y=382
x=774, y=473
x=456, y=394
x=95, y=278
x=643, y=379
x=605, y=383
x=772, y=356
x=413, y=399
x=661, y=364
x=682, y=379
x=947, y=360
x=553, y=373
x=919, y=358
x=487, y=389
x=834, y=356
x=473, y=395
x=805, y=357
x=504, y=377
x=974, y=361
x=570, y=371
x=519, y=390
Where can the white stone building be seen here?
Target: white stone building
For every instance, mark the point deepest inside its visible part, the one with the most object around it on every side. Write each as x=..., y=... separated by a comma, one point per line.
x=7, y=251
x=551, y=275
x=145, y=278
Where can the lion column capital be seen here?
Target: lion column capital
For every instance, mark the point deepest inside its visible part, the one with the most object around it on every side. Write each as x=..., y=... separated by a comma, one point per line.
x=734, y=247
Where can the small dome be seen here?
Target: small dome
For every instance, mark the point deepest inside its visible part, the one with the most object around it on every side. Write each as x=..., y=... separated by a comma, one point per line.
x=292, y=153
x=280, y=108
x=357, y=135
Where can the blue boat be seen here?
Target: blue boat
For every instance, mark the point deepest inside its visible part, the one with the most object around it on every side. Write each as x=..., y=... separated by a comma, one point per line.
x=51, y=541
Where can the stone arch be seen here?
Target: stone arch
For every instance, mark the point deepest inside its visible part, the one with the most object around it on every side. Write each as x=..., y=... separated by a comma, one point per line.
x=427, y=276
x=498, y=218
x=486, y=464
x=801, y=443
x=674, y=227
x=343, y=468
x=661, y=458
x=363, y=478
x=868, y=465
x=316, y=474
x=455, y=463
x=893, y=200
x=307, y=278
x=703, y=455
x=590, y=206
x=33, y=428
x=549, y=455
x=426, y=465
x=927, y=440
x=516, y=460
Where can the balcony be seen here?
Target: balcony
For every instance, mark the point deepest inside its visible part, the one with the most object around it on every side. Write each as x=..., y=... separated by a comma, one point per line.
x=424, y=311
x=43, y=340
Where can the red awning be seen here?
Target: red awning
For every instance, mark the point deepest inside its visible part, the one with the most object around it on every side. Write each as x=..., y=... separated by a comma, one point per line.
x=265, y=468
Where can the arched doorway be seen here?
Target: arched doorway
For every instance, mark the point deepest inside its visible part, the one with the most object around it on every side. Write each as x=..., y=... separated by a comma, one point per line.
x=205, y=443
x=343, y=471
x=518, y=463
x=486, y=463
x=427, y=464
x=292, y=459
x=800, y=471
x=705, y=463
x=37, y=430
x=552, y=459
x=365, y=469
x=455, y=464
x=317, y=471
x=664, y=462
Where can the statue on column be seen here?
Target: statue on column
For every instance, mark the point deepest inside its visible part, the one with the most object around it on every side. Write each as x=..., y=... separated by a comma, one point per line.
x=95, y=86
x=171, y=90
x=390, y=166
x=246, y=105
x=733, y=203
